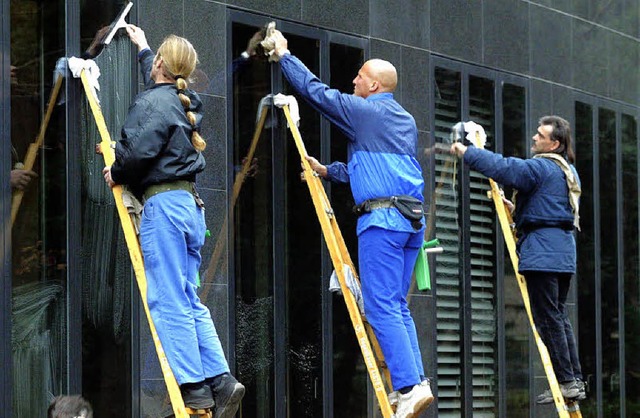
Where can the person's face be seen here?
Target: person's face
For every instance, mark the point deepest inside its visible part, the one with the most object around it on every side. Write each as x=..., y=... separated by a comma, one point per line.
x=542, y=141
x=363, y=82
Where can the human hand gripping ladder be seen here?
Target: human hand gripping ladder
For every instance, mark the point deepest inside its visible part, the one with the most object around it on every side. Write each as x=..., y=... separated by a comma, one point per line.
x=565, y=410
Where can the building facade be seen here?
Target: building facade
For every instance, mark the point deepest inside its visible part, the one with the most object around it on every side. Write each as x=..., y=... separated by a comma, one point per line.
x=71, y=319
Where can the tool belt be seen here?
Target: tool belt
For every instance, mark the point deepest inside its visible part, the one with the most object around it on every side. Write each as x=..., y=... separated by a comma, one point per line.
x=188, y=186
x=410, y=207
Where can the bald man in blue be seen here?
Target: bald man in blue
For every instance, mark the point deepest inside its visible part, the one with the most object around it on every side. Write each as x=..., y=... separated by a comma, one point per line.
x=381, y=167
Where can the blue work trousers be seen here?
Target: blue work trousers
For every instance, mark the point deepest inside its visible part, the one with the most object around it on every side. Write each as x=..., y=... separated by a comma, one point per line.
x=548, y=298
x=171, y=235
x=386, y=261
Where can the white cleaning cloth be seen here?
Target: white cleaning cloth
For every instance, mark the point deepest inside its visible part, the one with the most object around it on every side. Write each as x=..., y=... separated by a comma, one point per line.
x=134, y=207
x=280, y=100
x=269, y=44
x=352, y=285
x=61, y=70
x=76, y=65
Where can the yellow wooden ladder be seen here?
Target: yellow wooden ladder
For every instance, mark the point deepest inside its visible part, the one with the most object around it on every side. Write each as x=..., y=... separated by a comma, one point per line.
x=565, y=410
x=179, y=410
x=34, y=147
x=367, y=341
x=373, y=357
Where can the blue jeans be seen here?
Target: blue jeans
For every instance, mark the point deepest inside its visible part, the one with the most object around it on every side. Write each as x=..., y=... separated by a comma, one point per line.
x=171, y=235
x=548, y=296
x=386, y=261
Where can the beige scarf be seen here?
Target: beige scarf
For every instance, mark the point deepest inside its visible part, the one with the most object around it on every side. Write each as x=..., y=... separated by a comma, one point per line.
x=572, y=184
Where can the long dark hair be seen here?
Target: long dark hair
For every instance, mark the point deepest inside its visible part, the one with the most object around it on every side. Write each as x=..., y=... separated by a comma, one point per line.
x=562, y=133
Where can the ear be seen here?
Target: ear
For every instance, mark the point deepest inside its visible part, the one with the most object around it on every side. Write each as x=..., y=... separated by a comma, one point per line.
x=374, y=86
x=555, y=145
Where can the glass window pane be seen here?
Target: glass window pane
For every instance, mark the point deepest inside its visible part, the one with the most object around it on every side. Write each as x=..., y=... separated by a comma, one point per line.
x=104, y=258
x=483, y=259
x=447, y=90
x=609, y=262
x=253, y=232
x=631, y=270
x=586, y=271
x=349, y=372
x=303, y=254
x=39, y=239
x=516, y=322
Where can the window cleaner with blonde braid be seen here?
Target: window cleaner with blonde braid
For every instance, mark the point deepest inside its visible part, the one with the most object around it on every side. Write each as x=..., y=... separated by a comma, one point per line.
x=158, y=157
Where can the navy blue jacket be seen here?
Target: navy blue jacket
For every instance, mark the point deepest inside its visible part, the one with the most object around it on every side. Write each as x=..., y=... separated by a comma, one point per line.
x=155, y=145
x=382, y=148
x=543, y=216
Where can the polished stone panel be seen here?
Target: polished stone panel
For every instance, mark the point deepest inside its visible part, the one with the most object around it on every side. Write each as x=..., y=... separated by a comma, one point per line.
x=563, y=102
x=160, y=18
x=506, y=35
x=590, y=54
x=214, y=128
x=624, y=76
x=215, y=270
x=550, y=49
x=402, y=21
x=290, y=9
x=414, y=81
x=205, y=27
x=456, y=28
x=346, y=15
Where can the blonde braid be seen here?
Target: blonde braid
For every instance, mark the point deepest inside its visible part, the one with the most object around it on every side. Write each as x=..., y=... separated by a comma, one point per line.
x=196, y=139
x=180, y=59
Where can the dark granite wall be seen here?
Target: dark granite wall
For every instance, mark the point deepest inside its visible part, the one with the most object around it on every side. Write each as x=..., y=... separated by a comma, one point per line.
x=561, y=45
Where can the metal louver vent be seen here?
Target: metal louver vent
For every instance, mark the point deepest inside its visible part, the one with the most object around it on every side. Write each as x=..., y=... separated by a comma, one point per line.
x=448, y=107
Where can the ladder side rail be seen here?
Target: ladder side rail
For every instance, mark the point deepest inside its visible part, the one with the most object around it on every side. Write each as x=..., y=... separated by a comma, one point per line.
x=32, y=151
x=335, y=245
x=505, y=224
x=135, y=253
x=221, y=241
x=372, y=336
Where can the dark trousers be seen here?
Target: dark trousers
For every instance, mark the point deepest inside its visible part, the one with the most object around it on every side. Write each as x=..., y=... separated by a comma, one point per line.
x=548, y=296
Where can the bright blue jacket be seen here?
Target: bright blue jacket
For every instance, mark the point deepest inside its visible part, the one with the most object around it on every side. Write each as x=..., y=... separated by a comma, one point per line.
x=543, y=216
x=382, y=148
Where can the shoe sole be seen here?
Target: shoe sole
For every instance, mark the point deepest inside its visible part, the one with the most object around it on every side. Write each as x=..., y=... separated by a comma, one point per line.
x=233, y=403
x=421, y=406
x=547, y=401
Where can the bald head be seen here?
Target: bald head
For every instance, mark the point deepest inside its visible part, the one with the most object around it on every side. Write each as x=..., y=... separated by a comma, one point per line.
x=384, y=72
x=375, y=76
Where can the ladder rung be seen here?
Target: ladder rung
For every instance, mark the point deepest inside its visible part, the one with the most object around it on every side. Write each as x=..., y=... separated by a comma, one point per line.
x=206, y=413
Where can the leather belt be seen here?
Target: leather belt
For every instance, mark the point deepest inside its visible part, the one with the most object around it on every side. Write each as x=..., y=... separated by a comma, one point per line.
x=188, y=186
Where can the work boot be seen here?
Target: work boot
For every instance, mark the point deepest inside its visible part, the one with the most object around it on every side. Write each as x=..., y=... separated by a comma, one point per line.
x=412, y=404
x=196, y=396
x=571, y=391
x=227, y=393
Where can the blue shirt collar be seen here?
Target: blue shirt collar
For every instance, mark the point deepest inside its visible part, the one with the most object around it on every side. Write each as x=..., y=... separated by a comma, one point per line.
x=380, y=96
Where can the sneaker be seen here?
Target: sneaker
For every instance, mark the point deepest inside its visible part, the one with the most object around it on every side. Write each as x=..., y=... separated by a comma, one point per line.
x=582, y=388
x=227, y=393
x=197, y=398
x=570, y=391
x=393, y=396
x=412, y=404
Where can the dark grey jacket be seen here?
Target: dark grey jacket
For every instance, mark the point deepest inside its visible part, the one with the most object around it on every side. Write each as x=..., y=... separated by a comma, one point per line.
x=544, y=217
x=155, y=146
